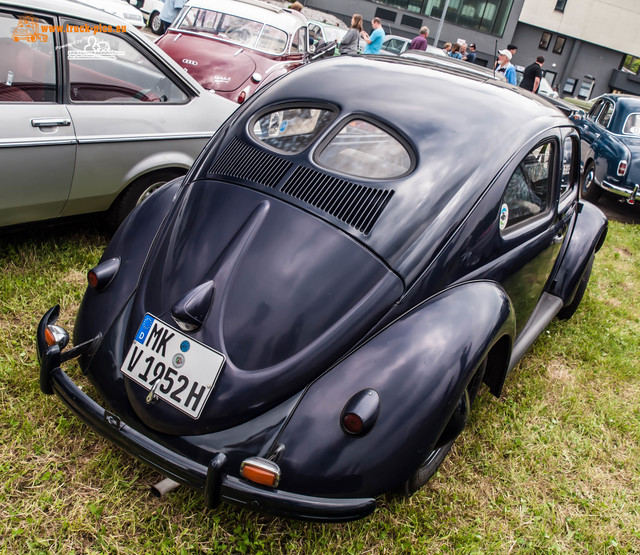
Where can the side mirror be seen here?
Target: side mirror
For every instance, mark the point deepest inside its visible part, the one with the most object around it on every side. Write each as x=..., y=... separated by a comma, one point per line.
x=312, y=48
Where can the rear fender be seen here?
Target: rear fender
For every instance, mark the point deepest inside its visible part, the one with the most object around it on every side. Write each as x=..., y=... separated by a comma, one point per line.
x=419, y=366
x=587, y=237
x=131, y=244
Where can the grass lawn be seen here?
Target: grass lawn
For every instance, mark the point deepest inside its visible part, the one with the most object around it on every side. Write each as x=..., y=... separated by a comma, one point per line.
x=551, y=467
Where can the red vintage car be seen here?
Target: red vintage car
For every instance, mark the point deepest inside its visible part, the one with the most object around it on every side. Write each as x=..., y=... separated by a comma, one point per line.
x=236, y=46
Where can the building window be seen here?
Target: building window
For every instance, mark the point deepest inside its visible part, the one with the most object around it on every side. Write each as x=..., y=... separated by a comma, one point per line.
x=545, y=39
x=569, y=86
x=482, y=15
x=549, y=76
x=560, y=4
x=559, y=45
x=631, y=63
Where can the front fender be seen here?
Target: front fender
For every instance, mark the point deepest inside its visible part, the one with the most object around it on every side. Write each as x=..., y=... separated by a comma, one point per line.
x=587, y=237
x=419, y=365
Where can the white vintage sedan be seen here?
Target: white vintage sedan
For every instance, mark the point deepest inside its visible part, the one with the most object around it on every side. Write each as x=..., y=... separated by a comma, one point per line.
x=94, y=116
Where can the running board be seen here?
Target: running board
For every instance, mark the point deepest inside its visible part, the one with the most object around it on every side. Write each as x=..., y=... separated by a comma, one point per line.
x=545, y=311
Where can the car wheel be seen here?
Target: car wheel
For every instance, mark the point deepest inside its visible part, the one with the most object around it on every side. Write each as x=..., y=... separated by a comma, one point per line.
x=589, y=190
x=568, y=311
x=155, y=23
x=137, y=192
x=429, y=466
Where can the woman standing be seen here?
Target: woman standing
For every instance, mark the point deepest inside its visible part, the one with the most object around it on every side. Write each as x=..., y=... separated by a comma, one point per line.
x=350, y=42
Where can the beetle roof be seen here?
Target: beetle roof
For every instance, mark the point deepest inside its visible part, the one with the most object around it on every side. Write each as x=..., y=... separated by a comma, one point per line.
x=287, y=20
x=462, y=129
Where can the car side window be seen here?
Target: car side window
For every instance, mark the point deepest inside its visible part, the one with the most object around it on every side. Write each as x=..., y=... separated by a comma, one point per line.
x=605, y=116
x=104, y=67
x=528, y=191
x=363, y=149
x=299, y=40
x=632, y=125
x=568, y=175
x=595, y=110
x=27, y=64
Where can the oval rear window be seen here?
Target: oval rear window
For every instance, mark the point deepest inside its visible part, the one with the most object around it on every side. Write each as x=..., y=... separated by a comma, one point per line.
x=365, y=150
x=291, y=130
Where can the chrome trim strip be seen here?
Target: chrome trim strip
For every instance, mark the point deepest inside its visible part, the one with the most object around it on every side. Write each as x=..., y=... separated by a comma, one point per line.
x=6, y=143
x=96, y=139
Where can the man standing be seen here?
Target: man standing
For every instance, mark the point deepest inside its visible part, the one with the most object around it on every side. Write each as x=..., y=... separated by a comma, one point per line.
x=170, y=11
x=505, y=66
x=471, y=53
x=374, y=41
x=533, y=75
x=420, y=42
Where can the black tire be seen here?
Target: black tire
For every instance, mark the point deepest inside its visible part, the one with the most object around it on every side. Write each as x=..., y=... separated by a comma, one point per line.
x=155, y=23
x=589, y=189
x=433, y=461
x=135, y=193
x=568, y=311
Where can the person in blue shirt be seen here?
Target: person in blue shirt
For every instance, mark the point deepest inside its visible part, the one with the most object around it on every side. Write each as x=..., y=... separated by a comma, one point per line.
x=505, y=66
x=374, y=41
x=170, y=11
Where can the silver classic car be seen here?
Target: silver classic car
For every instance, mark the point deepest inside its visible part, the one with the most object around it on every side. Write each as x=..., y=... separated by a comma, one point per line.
x=94, y=116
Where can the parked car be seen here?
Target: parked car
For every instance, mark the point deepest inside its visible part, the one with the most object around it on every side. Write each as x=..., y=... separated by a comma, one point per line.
x=321, y=32
x=545, y=90
x=303, y=323
x=610, y=135
x=123, y=10
x=116, y=120
x=396, y=45
x=236, y=46
x=151, y=11
x=443, y=62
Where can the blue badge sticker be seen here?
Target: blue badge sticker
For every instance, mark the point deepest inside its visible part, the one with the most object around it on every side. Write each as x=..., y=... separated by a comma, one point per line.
x=185, y=346
x=144, y=329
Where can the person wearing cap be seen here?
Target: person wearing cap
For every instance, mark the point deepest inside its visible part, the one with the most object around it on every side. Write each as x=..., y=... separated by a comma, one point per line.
x=505, y=66
x=471, y=53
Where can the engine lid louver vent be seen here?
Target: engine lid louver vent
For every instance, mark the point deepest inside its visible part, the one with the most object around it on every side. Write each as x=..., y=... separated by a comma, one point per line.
x=242, y=161
x=353, y=204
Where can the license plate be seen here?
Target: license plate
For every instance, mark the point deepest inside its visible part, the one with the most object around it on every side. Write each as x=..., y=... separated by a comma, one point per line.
x=172, y=366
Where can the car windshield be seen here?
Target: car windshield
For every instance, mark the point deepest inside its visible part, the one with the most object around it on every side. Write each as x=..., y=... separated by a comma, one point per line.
x=334, y=33
x=232, y=28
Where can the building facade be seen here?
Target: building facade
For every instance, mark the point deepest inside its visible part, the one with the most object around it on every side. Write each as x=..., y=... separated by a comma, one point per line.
x=584, y=42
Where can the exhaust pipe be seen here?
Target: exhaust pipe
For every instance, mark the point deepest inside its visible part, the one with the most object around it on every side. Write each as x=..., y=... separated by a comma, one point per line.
x=162, y=488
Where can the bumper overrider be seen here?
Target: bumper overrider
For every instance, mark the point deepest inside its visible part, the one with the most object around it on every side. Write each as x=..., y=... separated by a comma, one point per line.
x=212, y=479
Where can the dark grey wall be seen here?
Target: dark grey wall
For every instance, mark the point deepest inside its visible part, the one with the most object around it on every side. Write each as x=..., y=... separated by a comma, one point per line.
x=577, y=59
x=486, y=44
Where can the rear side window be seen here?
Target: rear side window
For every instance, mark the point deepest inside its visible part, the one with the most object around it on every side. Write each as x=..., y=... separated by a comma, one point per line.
x=363, y=149
x=632, y=125
x=529, y=189
x=291, y=130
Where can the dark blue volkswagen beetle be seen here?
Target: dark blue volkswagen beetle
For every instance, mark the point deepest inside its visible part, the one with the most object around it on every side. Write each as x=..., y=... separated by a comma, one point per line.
x=302, y=324
x=611, y=148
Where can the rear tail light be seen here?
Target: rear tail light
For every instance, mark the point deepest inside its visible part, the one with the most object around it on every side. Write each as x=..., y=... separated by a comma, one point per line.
x=242, y=97
x=622, y=167
x=261, y=471
x=102, y=275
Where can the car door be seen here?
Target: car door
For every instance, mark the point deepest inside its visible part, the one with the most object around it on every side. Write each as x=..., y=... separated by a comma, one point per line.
x=37, y=139
x=129, y=114
x=532, y=229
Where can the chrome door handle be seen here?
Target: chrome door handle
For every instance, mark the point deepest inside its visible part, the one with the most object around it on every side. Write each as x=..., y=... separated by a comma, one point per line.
x=50, y=122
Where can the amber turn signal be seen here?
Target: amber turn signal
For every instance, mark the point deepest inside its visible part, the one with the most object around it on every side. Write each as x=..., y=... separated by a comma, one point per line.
x=261, y=471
